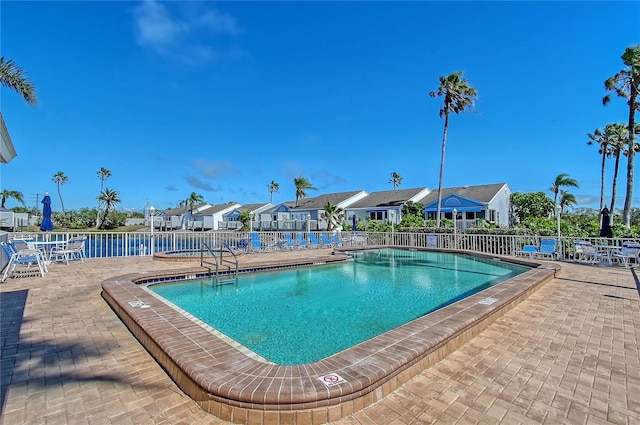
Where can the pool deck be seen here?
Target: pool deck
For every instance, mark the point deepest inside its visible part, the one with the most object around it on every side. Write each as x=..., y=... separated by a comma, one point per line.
x=569, y=353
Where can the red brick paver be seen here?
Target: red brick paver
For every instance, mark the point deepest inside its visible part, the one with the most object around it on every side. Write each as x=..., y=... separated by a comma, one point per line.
x=568, y=354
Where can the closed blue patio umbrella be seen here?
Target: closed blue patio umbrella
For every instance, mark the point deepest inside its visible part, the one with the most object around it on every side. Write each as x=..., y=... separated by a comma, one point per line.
x=355, y=223
x=47, y=224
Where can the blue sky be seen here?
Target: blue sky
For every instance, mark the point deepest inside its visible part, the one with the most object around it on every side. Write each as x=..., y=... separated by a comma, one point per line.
x=221, y=98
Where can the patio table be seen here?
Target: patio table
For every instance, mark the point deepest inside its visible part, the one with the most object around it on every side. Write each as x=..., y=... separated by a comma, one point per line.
x=46, y=247
x=609, y=250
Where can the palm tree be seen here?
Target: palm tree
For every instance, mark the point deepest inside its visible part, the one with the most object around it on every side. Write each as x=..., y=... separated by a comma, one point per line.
x=110, y=198
x=302, y=185
x=192, y=200
x=458, y=96
x=103, y=174
x=560, y=181
x=626, y=84
x=603, y=141
x=332, y=215
x=273, y=187
x=6, y=194
x=618, y=138
x=395, y=180
x=59, y=178
x=566, y=200
x=13, y=77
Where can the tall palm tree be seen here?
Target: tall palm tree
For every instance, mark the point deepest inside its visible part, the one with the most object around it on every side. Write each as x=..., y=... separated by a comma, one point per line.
x=626, y=84
x=6, y=194
x=603, y=141
x=395, y=180
x=618, y=138
x=302, y=185
x=458, y=96
x=273, y=187
x=332, y=215
x=110, y=198
x=566, y=200
x=13, y=77
x=561, y=181
x=59, y=178
x=191, y=201
x=103, y=174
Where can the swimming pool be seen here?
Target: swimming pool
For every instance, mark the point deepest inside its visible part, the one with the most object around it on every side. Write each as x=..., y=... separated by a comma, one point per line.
x=301, y=316
x=232, y=384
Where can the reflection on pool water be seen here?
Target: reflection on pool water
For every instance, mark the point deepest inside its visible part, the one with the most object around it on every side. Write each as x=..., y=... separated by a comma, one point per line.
x=303, y=315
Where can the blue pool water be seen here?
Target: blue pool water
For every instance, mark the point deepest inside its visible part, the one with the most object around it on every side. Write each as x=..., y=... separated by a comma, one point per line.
x=302, y=315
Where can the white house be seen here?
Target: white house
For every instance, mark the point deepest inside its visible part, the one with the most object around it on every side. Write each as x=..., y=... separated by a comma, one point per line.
x=231, y=221
x=489, y=202
x=177, y=218
x=7, y=151
x=209, y=218
x=385, y=205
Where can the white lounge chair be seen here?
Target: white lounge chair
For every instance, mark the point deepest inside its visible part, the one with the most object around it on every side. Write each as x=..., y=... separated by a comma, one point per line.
x=22, y=258
x=586, y=252
x=72, y=250
x=628, y=253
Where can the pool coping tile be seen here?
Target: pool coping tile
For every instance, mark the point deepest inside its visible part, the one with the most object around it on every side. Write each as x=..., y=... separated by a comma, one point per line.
x=208, y=369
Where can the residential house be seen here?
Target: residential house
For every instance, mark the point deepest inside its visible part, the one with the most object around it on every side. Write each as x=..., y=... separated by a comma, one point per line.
x=489, y=202
x=7, y=151
x=385, y=205
x=231, y=221
x=210, y=217
x=308, y=213
x=177, y=218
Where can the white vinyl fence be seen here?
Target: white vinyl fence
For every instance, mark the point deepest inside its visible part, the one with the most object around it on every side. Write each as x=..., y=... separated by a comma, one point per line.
x=121, y=244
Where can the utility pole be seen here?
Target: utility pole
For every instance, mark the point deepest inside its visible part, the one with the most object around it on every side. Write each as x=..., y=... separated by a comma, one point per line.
x=37, y=200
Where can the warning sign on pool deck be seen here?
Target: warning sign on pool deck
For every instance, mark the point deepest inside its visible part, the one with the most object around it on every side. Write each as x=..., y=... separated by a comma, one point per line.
x=332, y=379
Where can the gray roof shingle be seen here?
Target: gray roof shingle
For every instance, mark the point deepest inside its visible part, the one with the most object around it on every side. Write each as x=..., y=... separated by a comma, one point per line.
x=483, y=193
x=387, y=198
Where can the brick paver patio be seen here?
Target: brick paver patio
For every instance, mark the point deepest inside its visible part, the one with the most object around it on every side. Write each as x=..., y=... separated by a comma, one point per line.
x=568, y=354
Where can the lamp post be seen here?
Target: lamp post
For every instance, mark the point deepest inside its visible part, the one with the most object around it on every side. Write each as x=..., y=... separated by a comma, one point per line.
x=558, y=211
x=153, y=213
x=455, y=230
x=392, y=219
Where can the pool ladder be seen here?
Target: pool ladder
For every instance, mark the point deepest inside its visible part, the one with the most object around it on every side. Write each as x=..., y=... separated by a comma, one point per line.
x=231, y=275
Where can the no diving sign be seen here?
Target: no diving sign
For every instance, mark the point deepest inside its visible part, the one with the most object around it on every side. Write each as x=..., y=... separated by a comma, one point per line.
x=332, y=379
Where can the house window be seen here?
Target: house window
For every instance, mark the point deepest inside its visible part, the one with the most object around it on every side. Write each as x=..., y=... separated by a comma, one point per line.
x=377, y=215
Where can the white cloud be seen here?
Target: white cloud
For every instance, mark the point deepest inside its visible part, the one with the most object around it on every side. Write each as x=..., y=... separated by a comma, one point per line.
x=219, y=22
x=155, y=28
x=183, y=31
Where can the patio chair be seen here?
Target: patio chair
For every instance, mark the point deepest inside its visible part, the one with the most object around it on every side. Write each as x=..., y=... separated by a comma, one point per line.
x=21, y=258
x=325, y=240
x=302, y=242
x=527, y=251
x=625, y=255
x=586, y=252
x=336, y=240
x=548, y=249
x=23, y=246
x=255, y=244
x=289, y=243
x=314, y=242
x=72, y=250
